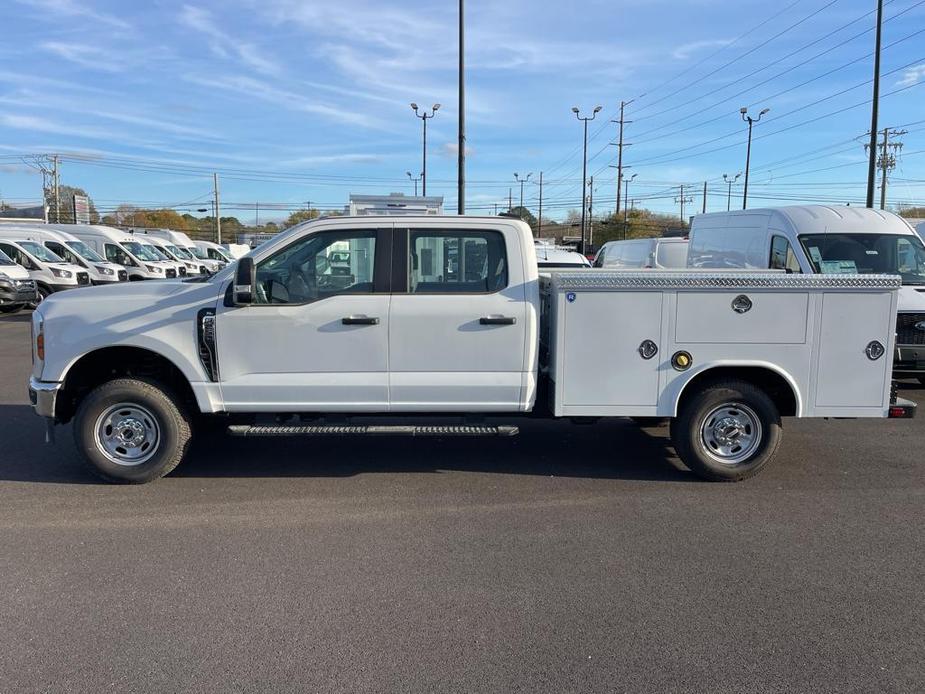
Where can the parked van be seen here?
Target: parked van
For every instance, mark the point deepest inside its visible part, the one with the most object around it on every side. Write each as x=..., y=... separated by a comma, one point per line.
x=17, y=289
x=67, y=246
x=221, y=254
x=661, y=252
x=181, y=247
x=178, y=255
x=179, y=269
x=50, y=272
x=140, y=261
x=550, y=257
x=830, y=241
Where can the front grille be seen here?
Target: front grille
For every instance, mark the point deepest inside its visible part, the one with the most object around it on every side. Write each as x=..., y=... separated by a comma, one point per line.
x=83, y=278
x=171, y=273
x=906, y=332
x=123, y=276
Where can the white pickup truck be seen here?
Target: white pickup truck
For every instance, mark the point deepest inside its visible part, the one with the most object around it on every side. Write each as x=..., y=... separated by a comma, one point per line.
x=449, y=316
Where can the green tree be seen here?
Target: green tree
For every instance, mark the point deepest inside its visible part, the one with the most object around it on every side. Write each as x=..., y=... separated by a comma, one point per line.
x=300, y=216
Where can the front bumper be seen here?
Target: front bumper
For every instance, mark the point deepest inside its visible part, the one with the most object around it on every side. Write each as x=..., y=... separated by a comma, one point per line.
x=43, y=396
x=17, y=292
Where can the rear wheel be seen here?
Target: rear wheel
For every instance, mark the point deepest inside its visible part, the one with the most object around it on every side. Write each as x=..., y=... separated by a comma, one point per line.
x=727, y=431
x=131, y=431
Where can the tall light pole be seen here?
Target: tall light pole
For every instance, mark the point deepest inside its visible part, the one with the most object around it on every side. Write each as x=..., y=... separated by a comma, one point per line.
x=626, y=197
x=415, y=179
x=729, y=181
x=874, y=108
x=424, y=117
x=584, y=168
x=461, y=143
x=748, y=153
x=521, y=181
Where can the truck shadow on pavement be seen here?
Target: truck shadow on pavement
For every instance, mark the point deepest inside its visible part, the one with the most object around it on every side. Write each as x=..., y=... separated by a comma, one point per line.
x=616, y=449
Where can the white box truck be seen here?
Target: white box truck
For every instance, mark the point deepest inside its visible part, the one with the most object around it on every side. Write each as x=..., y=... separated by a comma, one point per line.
x=449, y=316
x=817, y=239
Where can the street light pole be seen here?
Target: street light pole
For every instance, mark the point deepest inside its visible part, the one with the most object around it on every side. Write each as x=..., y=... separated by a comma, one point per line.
x=729, y=182
x=874, y=108
x=584, y=168
x=415, y=179
x=522, y=181
x=748, y=153
x=626, y=197
x=539, y=216
x=424, y=117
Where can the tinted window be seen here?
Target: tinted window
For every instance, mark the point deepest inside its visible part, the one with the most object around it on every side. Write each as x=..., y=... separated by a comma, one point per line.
x=782, y=256
x=115, y=254
x=318, y=266
x=17, y=255
x=672, y=254
x=635, y=254
x=892, y=254
x=467, y=262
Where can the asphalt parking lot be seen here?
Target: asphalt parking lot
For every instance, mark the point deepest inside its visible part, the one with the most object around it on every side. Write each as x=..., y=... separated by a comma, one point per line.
x=572, y=558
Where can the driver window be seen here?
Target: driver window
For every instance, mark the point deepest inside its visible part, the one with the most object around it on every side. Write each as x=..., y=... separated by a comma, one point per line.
x=318, y=266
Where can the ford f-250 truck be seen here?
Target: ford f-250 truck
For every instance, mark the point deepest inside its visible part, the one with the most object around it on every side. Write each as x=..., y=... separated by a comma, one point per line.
x=449, y=316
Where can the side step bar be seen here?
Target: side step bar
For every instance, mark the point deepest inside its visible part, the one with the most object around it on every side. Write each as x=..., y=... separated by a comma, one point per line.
x=371, y=430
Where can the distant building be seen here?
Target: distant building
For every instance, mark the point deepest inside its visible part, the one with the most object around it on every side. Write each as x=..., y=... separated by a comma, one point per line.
x=394, y=204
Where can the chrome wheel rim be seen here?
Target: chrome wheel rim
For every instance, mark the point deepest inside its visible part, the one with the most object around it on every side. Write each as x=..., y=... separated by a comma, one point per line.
x=127, y=434
x=731, y=433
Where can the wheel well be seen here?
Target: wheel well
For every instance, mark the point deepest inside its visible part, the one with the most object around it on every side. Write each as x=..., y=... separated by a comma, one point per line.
x=776, y=386
x=95, y=368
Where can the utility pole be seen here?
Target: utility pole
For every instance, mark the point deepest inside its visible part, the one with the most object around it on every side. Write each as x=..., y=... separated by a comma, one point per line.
x=620, y=146
x=218, y=210
x=626, y=196
x=461, y=156
x=681, y=199
x=875, y=105
x=256, y=214
x=56, y=182
x=539, y=217
x=704, y=210
x=886, y=159
x=510, y=199
x=729, y=181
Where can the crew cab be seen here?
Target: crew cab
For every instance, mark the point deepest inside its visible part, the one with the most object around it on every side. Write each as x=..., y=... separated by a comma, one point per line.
x=449, y=316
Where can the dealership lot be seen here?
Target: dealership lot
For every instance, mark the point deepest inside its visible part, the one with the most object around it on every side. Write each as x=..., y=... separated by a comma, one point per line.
x=570, y=558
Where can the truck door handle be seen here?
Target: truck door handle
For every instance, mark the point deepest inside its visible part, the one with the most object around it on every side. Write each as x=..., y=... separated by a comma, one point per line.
x=497, y=320
x=359, y=320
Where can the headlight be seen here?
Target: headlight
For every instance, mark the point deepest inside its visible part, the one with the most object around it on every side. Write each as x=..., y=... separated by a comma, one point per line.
x=155, y=269
x=105, y=270
x=57, y=272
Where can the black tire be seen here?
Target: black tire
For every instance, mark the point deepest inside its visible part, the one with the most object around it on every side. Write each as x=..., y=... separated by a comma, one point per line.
x=11, y=308
x=651, y=422
x=699, y=445
x=170, y=422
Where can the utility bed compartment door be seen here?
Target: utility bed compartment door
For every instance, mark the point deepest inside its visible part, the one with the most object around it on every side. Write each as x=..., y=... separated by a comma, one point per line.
x=602, y=365
x=847, y=377
x=771, y=317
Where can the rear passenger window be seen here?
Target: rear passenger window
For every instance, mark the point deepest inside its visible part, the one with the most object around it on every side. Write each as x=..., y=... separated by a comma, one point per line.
x=782, y=256
x=470, y=262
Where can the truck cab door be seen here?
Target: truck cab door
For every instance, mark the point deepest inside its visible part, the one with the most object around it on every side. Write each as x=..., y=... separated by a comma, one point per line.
x=316, y=336
x=458, y=326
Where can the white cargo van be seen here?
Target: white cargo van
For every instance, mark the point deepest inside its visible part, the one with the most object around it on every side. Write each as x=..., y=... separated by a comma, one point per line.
x=175, y=254
x=218, y=253
x=50, y=272
x=549, y=256
x=661, y=252
x=17, y=289
x=181, y=247
x=116, y=246
x=825, y=240
x=65, y=245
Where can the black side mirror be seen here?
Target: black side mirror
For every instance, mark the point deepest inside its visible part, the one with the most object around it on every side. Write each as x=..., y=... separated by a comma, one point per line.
x=245, y=282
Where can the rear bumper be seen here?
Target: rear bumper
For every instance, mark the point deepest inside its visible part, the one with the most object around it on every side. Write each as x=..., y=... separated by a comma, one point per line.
x=43, y=397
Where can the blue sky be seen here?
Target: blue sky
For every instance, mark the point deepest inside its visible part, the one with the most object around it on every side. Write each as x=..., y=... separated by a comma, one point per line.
x=308, y=101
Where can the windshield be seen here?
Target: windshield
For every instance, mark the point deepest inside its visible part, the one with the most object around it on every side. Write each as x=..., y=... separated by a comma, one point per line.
x=197, y=252
x=5, y=259
x=84, y=251
x=890, y=254
x=40, y=252
x=142, y=252
x=178, y=252
x=158, y=253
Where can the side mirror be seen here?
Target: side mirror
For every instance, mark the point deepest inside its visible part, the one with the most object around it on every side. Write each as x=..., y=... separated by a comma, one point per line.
x=245, y=281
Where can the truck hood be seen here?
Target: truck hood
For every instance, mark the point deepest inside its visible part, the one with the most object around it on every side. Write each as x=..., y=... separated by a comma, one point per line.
x=912, y=299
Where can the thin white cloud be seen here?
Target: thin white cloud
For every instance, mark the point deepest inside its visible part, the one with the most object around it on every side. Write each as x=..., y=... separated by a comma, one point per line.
x=223, y=44
x=913, y=75
x=684, y=51
x=91, y=57
x=43, y=125
x=71, y=9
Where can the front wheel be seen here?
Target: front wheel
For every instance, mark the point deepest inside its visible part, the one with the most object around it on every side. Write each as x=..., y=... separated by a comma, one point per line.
x=727, y=431
x=131, y=431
